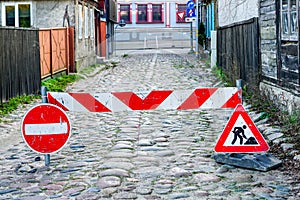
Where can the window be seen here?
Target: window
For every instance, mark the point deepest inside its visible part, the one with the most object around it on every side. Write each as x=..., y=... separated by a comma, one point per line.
x=10, y=15
x=17, y=14
x=142, y=13
x=289, y=24
x=92, y=24
x=210, y=23
x=157, y=13
x=181, y=12
x=80, y=19
x=86, y=22
x=24, y=15
x=125, y=13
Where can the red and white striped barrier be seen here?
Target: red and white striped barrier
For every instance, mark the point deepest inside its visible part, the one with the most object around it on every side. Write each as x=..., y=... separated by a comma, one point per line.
x=201, y=98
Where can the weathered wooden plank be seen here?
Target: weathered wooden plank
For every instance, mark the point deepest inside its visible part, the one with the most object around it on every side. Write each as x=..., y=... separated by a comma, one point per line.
x=19, y=63
x=240, y=50
x=1, y=66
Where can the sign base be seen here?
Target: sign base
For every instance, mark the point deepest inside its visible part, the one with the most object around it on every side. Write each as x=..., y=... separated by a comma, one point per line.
x=261, y=162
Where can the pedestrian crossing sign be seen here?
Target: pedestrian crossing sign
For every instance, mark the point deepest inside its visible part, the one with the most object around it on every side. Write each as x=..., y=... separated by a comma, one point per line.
x=240, y=135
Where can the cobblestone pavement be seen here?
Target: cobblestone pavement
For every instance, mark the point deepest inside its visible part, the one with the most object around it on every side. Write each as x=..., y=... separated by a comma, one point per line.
x=137, y=155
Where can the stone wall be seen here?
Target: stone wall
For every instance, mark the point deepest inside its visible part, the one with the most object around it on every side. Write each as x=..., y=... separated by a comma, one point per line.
x=283, y=98
x=268, y=38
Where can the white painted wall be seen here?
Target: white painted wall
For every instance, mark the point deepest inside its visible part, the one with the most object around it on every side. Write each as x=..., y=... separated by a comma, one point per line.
x=232, y=11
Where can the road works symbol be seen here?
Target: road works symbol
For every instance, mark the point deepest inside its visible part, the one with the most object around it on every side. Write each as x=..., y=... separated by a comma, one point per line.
x=46, y=128
x=240, y=135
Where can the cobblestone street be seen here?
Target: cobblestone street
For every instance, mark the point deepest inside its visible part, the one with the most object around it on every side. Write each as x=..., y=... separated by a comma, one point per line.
x=155, y=154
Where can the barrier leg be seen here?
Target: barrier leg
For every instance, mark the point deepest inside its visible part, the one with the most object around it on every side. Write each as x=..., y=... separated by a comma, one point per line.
x=239, y=83
x=239, y=87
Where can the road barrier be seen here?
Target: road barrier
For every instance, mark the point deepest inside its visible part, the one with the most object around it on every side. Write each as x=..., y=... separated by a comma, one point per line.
x=239, y=135
x=201, y=98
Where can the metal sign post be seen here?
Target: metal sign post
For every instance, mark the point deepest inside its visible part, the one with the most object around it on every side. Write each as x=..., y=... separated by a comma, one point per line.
x=190, y=16
x=191, y=33
x=45, y=100
x=46, y=128
x=197, y=28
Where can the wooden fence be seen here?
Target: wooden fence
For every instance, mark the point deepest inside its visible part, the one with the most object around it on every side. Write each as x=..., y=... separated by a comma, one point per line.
x=239, y=53
x=56, y=51
x=29, y=55
x=19, y=62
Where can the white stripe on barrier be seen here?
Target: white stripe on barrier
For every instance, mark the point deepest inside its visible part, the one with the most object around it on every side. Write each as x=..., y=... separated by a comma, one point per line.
x=175, y=99
x=117, y=105
x=105, y=99
x=68, y=101
x=218, y=98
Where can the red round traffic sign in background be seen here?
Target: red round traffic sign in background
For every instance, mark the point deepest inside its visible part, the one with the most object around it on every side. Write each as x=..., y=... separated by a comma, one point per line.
x=46, y=128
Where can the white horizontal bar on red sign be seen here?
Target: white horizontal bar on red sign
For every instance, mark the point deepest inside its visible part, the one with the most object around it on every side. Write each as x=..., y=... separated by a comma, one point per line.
x=206, y=98
x=46, y=129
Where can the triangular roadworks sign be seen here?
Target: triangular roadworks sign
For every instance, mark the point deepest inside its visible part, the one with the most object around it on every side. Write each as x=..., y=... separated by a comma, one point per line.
x=240, y=135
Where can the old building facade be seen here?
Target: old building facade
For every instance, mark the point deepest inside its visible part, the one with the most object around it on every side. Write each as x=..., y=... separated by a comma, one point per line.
x=81, y=15
x=280, y=52
x=276, y=33
x=153, y=14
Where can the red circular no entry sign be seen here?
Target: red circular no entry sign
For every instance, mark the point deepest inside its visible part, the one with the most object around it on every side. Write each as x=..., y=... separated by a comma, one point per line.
x=46, y=128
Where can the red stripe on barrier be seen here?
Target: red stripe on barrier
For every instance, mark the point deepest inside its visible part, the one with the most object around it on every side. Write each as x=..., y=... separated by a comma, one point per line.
x=197, y=98
x=151, y=102
x=89, y=102
x=234, y=100
x=52, y=100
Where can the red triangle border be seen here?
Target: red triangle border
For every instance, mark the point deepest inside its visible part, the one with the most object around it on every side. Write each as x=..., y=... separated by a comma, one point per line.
x=239, y=110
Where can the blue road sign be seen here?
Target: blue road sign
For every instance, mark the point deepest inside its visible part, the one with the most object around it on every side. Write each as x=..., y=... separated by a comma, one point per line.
x=190, y=11
x=190, y=4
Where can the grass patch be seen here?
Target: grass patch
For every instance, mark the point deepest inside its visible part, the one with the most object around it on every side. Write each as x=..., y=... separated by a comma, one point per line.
x=88, y=70
x=178, y=66
x=14, y=103
x=289, y=125
x=183, y=66
x=221, y=76
x=59, y=84
x=92, y=68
